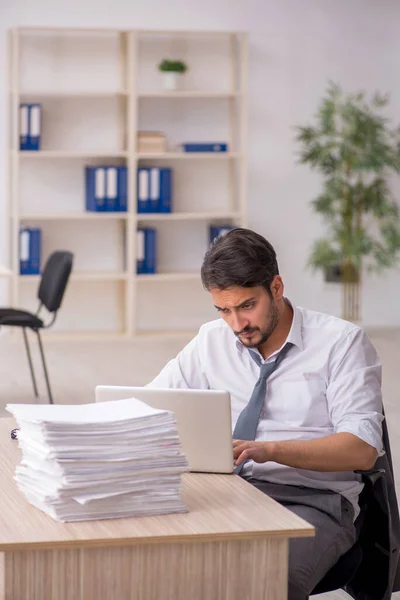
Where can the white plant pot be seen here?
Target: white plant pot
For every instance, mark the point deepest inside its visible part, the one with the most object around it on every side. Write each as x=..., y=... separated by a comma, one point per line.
x=171, y=81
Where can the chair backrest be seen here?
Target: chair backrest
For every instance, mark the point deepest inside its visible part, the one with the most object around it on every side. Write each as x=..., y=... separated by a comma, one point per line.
x=371, y=565
x=54, y=279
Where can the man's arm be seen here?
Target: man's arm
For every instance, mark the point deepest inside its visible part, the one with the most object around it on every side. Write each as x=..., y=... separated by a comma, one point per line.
x=183, y=371
x=354, y=402
x=337, y=452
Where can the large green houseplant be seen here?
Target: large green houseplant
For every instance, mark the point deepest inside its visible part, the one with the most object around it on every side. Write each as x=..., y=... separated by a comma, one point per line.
x=355, y=148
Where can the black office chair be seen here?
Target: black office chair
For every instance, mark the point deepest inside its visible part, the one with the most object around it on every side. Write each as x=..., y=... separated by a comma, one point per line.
x=371, y=568
x=50, y=293
x=343, y=571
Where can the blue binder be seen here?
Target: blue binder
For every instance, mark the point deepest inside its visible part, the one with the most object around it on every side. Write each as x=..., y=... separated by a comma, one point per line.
x=24, y=127
x=141, y=252
x=218, y=230
x=95, y=189
x=30, y=250
x=122, y=201
x=205, y=147
x=146, y=251
x=111, y=199
x=143, y=190
x=151, y=250
x=166, y=185
x=35, y=126
x=154, y=190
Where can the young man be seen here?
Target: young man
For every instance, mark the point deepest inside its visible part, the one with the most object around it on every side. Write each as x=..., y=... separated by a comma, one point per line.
x=306, y=397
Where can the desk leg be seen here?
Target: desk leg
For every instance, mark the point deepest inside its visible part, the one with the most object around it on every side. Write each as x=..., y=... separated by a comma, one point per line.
x=227, y=570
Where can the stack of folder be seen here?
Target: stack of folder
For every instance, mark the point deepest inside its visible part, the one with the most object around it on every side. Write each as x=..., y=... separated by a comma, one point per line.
x=30, y=250
x=106, y=188
x=154, y=190
x=99, y=461
x=30, y=118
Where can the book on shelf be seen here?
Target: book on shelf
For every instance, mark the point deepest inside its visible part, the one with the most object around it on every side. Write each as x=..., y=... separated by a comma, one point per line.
x=30, y=125
x=146, y=259
x=30, y=250
x=106, y=188
x=219, y=230
x=205, y=147
x=151, y=142
x=154, y=190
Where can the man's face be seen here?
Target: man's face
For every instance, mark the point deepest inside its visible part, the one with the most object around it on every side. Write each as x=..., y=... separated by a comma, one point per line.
x=251, y=313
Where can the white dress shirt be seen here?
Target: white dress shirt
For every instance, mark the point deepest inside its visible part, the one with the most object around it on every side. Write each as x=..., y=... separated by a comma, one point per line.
x=329, y=382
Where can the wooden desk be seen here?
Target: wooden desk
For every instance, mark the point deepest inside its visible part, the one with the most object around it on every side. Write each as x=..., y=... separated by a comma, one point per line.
x=232, y=545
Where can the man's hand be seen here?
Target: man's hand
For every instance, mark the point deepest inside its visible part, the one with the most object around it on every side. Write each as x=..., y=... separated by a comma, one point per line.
x=257, y=451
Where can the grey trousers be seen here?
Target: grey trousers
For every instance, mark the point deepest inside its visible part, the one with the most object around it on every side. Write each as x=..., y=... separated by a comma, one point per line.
x=332, y=516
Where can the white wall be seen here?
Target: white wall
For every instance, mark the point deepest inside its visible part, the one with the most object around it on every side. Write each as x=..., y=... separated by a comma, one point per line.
x=295, y=47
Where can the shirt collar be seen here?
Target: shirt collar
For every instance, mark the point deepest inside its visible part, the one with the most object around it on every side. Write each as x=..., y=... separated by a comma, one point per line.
x=295, y=333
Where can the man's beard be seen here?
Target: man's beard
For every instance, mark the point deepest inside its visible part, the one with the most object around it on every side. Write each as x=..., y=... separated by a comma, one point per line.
x=273, y=319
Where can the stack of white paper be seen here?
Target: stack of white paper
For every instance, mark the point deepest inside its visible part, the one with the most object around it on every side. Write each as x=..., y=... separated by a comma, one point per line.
x=99, y=461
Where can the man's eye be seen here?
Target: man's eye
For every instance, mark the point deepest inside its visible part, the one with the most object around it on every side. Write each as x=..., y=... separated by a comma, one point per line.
x=247, y=306
x=222, y=310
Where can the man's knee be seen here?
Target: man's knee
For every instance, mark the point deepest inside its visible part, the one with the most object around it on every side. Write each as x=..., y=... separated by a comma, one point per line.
x=297, y=589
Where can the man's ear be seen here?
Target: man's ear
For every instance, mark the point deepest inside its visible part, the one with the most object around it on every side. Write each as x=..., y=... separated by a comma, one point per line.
x=277, y=288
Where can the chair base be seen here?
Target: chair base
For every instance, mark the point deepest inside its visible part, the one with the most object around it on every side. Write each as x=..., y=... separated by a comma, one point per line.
x=28, y=353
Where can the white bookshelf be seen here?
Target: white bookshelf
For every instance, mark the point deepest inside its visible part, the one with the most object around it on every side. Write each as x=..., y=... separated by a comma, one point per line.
x=91, y=116
x=56, y=154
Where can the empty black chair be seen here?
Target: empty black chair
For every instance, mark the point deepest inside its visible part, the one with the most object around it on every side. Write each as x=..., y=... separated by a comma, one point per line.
x=51, y=290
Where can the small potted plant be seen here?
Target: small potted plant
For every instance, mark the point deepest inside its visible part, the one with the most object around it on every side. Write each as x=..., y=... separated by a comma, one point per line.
x=172, y=71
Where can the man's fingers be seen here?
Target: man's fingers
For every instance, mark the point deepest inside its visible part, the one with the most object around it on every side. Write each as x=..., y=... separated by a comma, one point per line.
x=242, y=457
x=239, y=448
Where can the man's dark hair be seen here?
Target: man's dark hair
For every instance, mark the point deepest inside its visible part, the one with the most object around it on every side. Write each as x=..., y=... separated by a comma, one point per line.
x=240, y=258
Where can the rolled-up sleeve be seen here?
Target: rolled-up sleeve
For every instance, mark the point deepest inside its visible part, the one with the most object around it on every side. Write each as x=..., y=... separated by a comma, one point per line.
x=354, y=391
x=183, y=371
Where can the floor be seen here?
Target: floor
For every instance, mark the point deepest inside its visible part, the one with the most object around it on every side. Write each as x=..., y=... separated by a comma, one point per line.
x=77, y=367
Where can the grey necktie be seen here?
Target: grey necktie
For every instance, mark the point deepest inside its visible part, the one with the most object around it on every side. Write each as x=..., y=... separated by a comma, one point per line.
x=247, y=423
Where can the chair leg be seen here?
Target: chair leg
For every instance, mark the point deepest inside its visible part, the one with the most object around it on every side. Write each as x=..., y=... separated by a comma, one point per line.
x=28, y=352
x=44, y=368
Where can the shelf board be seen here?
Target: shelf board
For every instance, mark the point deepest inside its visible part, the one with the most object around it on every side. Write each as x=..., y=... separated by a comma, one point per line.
x=73, y=93
x=72, y=216
x=69, y=154
x=69, y=30
x=192, y=276
x=93, y=276
x=183, y=216
x=41, y=154
x=188, y=155
x=162, y=334
x=187, y=94
x=86, y=336
x=167, y=33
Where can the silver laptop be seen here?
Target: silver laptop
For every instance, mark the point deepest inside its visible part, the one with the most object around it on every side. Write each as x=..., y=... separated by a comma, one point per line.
x=203, y=419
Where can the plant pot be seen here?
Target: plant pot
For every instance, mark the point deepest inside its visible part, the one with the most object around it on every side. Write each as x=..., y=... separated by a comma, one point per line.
x=171, y=81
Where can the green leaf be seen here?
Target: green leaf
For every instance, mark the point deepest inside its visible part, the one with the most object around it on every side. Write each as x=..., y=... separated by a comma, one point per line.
x=380, y=100
x=324, y=254
x=307, y=135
